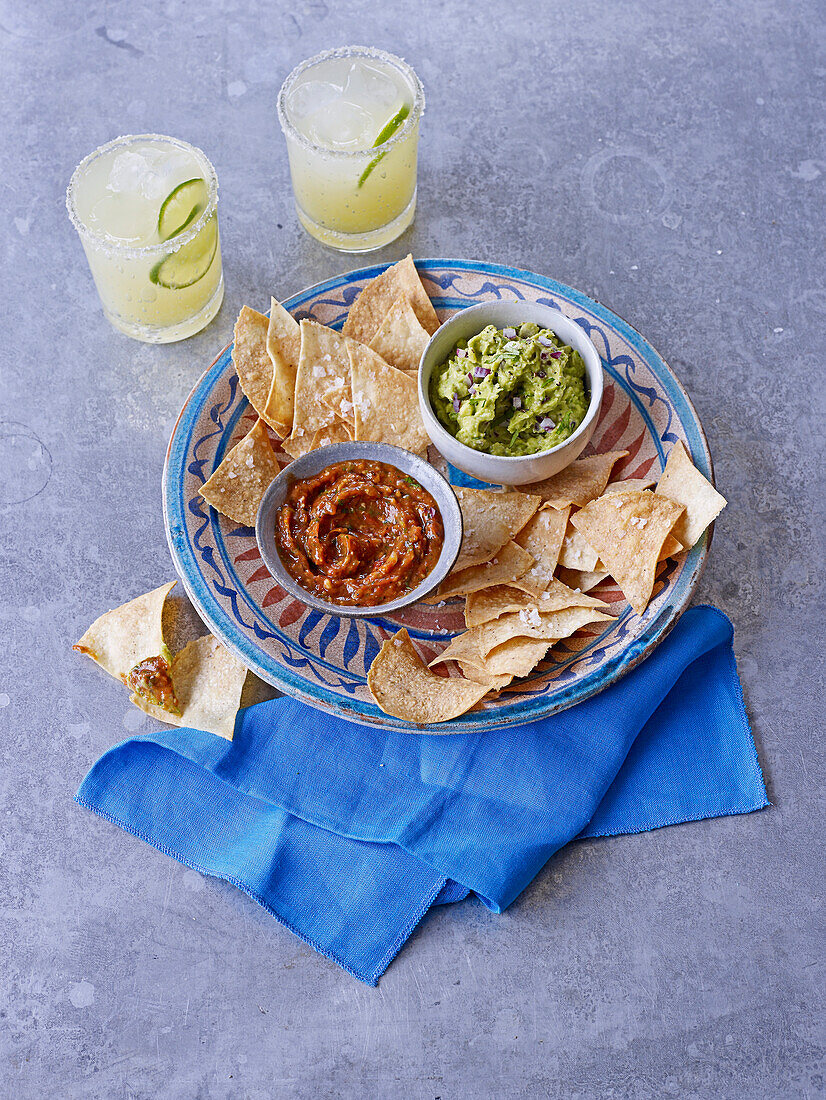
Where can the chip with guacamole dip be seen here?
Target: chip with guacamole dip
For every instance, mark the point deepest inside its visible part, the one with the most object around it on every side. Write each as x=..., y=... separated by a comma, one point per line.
x=511, y=391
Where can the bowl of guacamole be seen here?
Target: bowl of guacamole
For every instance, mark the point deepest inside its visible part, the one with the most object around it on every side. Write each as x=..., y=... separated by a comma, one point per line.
x=510, y=391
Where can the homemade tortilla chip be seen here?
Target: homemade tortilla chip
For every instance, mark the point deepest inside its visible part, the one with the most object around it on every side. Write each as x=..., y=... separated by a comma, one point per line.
x=476, y=671
x=576, y=552
x=628, y=531
x=683, y=483
x=517, y=657
x=208, y=682
x=238, y=484
x=542, y=536
x=386, y=402
x=510, y=563
x=530, y=623
x=401, y=339
x=489, y=521
x=122, y=638
x=375, y=301
x=629, y=483
x=322, y=385
x=337, y=432
x=584, y=480
x=284, y=349
x=251, y=359
x=491, y=603
x=581, y=579
x=404, y=687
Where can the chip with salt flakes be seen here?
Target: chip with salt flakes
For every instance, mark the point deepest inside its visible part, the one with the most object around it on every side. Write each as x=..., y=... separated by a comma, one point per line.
x=580, y=482
x=401, y=339
x=510, y=563
x=321, y=383
x=516, y=657
x=251, y=359
x=236, y=487
x=476, y=670
x=542, y=535
x=405, y=688
x=630, y=483
x=385, y=402
x=582, y=580
x=576, y=552
x=367, y=313
x=208, y=681
x=489, y=521
x=628, y=531
x=337, y=432
x=531, y=623
x=284, y=349
x=491, y=603
x=683, y=483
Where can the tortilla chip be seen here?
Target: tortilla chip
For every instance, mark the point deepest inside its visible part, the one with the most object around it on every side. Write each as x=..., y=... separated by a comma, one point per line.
x=489, y=521
x=251, y=359
x=476, y=671
x=322, y=385
x=530, y=623
x=683, y=483
x=375, y=301
x=584, y=480
x=576, y=552
x=492, y=603
x=629, y=483
x=208, y=682
x=463, y=647
x=238, y=484
x=510, y=563
x=517, y=657
x=386, y=402
x=583, y=580
x=284, y=349
x=404, y=687
x=628, y=531
x=122, y=638
x=401, y=339
x=542, y=536
x=337, y=432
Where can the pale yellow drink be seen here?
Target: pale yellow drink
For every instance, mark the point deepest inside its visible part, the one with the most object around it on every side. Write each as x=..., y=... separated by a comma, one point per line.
x=145, y=207
x=351, y=120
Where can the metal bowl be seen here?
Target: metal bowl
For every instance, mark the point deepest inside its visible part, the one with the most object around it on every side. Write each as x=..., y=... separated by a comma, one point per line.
x=313, y=463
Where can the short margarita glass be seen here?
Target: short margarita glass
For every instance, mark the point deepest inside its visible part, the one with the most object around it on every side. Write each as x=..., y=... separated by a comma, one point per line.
x=145, y=207
x=351, y=119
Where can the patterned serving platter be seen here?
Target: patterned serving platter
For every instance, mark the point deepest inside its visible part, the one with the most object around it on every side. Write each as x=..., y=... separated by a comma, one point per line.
x=322, y=659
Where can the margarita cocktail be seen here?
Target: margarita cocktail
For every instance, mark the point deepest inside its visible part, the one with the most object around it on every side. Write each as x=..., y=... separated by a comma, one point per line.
x=351, y=120
x=145, y=207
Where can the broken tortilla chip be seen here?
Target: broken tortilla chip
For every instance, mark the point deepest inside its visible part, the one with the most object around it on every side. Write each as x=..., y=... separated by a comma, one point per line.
x=236, y=487
x=628, y=530
x=121, y=638
x=582, y=481
x=491, y=603
x=386, y=402
x=283, y=348
x=405, y=688
x=376, y=299
x=208, y=681
x=510, y=563
x=490, y=520
x=322, y=384
x=401, y=339
x=683, y=483
x=251, y=359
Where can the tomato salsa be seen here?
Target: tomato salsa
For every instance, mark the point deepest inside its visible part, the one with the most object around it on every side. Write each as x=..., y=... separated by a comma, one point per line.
x=359, y=533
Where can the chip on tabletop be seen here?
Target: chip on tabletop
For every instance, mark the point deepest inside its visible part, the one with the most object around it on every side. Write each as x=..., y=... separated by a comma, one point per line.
x=531, y=623
x=208, y=681
x=236, y=487
x=367, y=313
x=322, y=382
x=489, y=521
x=509, y=564
x=405, y=688
x=542, y=536
x=385, y=402
x=401, y=339
x=584, y=480
x=490, y=603
x=683, y=483
x=252, y=360
x=121, y=639
x=628, y=531
x=284, y=349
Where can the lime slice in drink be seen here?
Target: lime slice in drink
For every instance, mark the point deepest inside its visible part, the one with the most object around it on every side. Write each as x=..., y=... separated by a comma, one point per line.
x=191, y=262
x=385, y=134
x=181, y=207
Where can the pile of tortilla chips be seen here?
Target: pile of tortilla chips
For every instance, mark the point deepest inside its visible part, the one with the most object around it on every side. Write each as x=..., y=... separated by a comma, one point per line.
x=527, y=562
x=313, y=386
x=199, y=686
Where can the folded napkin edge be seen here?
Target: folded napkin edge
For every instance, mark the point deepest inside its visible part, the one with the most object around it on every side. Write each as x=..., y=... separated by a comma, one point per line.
x=371, y=979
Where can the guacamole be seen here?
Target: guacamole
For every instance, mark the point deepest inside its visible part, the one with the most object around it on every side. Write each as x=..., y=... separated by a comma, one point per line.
x=511, y=391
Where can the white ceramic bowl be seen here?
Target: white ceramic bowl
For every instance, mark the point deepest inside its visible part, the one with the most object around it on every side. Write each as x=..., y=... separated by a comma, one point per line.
x=499, y=469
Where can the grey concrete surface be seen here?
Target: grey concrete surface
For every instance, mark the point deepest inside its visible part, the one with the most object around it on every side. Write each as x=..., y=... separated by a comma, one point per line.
x=668, y=159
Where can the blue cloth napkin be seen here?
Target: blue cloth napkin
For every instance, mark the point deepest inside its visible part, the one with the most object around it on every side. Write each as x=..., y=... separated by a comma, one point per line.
x=348, y=834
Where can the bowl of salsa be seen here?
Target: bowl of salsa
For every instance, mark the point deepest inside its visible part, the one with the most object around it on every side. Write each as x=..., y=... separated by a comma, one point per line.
x=510, y=392
x=358, y=529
